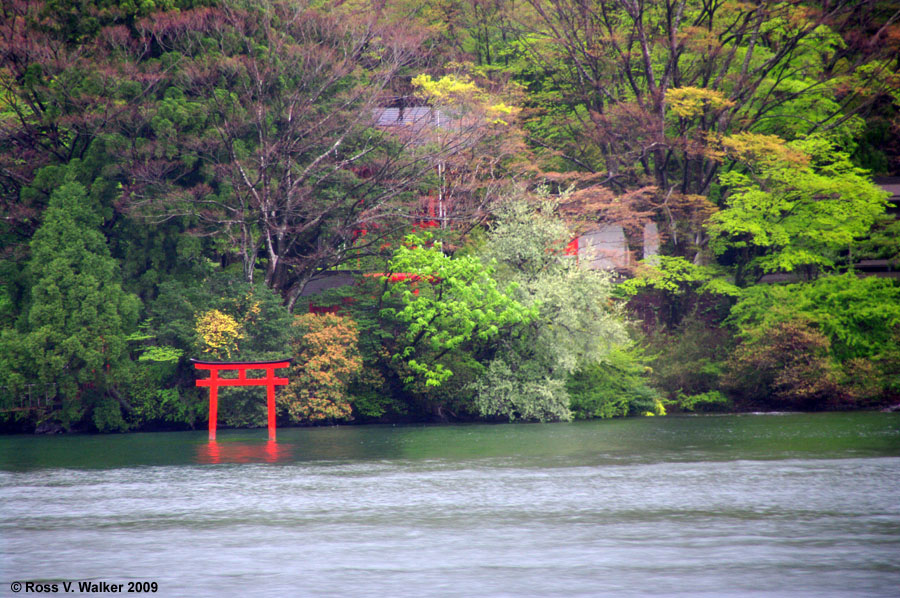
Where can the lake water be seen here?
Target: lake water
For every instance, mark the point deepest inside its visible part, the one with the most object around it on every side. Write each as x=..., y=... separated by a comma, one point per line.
x=749, y=505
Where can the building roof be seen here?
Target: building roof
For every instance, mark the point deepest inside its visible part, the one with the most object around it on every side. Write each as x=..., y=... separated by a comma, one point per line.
x=413, y=116
x=891, y=184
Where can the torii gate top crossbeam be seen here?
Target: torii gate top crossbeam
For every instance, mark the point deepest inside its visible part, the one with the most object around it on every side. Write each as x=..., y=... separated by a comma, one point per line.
x=234, y=365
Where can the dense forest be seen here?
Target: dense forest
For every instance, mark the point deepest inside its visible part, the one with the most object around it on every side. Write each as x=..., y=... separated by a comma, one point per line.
x=189, y=179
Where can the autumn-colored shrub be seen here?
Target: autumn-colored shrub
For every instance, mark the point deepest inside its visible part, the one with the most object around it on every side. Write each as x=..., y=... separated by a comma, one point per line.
x=788, y=365
x=326, y=361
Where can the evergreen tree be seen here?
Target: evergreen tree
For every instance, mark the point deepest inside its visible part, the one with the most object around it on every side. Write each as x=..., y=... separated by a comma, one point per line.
x=78, y=315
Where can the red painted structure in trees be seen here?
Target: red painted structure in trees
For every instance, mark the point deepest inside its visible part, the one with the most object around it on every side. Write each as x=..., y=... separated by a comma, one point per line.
x=241, y=367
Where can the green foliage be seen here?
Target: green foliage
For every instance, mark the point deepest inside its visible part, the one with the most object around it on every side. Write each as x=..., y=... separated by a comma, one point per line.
x=785, y=366
x=107, y=416
x=152, y=383
x=372, y=400
x=874, y=381
x=882, y=243
x=615, y=387
x=14, y=362
x=576, y=316
x=163, y=354
x=455, y=301
x=674, y=287
x=675, y=275
x=689, y=360
x=155, y=405
x=523, y=390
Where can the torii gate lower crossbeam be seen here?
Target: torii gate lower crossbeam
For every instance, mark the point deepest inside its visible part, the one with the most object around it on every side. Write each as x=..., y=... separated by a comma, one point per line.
x=214, y=382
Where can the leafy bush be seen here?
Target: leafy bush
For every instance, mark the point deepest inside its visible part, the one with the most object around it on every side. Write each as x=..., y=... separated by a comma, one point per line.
x=106, y=416
x=523, y=390
x=616, y=387
x=786, y=366
x=372, y=399
x=326, y=361
x=713, y=400
x=689, y=360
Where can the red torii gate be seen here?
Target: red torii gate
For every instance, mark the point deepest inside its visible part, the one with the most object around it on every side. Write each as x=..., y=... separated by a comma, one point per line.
x=214, y=382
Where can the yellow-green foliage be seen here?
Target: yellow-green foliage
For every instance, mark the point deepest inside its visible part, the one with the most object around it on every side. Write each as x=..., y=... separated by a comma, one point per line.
x=791, y=205
x=460, y=90
x=688, y=102
x=326, y=361
x=658, y=409
x=445, y=88
x=766, y=150
x=218, y=333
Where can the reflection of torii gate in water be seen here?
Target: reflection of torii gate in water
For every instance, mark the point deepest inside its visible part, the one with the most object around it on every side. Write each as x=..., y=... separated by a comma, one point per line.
x=214, y=382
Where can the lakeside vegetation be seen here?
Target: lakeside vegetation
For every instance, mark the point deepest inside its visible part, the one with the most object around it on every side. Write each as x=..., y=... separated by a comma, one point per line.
x=174, y=173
